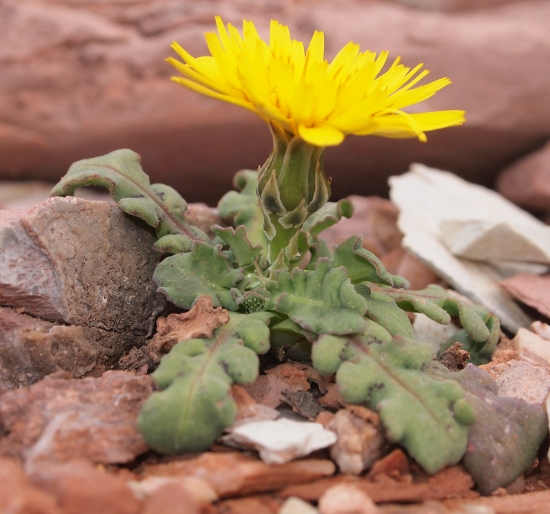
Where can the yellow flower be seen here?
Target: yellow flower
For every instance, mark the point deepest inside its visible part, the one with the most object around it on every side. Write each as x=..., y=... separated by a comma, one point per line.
x=302, y=93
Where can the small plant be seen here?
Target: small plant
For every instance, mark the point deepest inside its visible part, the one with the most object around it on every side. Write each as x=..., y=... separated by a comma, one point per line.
x=283, y=286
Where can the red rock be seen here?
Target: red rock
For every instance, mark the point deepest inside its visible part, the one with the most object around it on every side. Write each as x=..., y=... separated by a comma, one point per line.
x=533, y=290
x=260, y=504
x=294, y=377
x=60, y=420
x=82, y=489
x=170, y=499
x=267, y=390
x=99, y=82
x=31, y=348
x=454, y=5
x=527, y=181
x=375, y=219
x=237, y=474
x=19, y=496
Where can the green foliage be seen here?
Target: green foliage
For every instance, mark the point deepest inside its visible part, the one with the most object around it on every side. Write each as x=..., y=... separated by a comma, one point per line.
x=160, y=206
x=364, y=266
x=183, y=277
x=322, y=301
x=341, y=307
x=195, y=404
x=427, y=415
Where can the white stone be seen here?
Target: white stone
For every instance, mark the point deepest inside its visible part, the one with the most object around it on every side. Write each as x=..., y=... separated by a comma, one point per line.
x=430, y=331
x=346, y=499
x=524, y=381
x=533, y=343
x=282, y=440
x=294, y=505
x=541, y=329
x=428, y=198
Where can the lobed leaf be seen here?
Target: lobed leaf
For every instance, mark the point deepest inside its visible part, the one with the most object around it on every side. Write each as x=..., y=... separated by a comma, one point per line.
x=427, y=415
x=322, y=301
x=183, y=277
x=195, y=404
x=158, y=205
x=364, y=266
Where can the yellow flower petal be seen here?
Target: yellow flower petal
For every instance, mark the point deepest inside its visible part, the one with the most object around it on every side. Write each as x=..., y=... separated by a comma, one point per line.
x=321, y=136
x=300, y=92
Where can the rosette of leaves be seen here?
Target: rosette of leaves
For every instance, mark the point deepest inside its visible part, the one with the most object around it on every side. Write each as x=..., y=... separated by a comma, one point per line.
x=338, y=306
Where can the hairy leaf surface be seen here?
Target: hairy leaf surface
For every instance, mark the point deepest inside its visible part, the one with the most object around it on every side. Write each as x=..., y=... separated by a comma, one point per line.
x=160, y=206
x=195, y=404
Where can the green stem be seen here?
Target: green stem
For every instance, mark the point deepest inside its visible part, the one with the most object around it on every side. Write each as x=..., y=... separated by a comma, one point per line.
x=291, y=186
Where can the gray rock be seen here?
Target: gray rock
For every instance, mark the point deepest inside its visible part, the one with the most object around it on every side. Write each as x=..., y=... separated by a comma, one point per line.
x=84, y=269
x=525, y=381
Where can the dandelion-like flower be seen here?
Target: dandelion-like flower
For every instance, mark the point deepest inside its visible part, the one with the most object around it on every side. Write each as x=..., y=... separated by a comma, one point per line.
x=300, y=92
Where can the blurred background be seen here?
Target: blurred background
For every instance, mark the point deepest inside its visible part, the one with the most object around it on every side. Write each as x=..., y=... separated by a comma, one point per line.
x=80, y=78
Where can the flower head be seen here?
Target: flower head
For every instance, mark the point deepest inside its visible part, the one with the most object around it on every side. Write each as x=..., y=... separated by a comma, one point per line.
x=299, y=91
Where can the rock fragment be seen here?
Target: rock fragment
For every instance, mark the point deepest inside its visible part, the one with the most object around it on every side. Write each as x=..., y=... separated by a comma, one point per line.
x=533, y=290
x=525, y=381
x=80, y=487
x=19, y=496
x=86, y=269
x=31, y=348
x=60, y=420
x=235, y=474
x=347, y=499
x=282, y=440
x=360, y=439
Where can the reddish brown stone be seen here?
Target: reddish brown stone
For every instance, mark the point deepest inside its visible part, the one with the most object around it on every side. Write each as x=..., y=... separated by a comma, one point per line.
x=170, y=499
x=31, y=348
x=267, y=390
x=100, y=82
x=80, y=488
x=260, y=504
x=60, y=420
x=19, y=496
x=294, y=377
x=375, y=219
x=236, y=474
x=527, y=181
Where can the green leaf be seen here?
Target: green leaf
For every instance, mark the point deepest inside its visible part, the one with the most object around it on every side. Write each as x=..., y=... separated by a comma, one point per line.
x=504, y=440
x=481, y=328
x=322, y=301
x=183, y=277
x=364, y=266
x=330, y=214
x=382, y=309
x=160, y=206
x=196, y=405
x=243, y=207
x=427, y=415
x=245, y=254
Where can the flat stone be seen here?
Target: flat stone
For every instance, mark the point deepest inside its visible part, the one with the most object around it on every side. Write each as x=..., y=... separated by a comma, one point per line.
x=31, y=348
x=427, y=198
x=236, y=474
x=65, y=419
